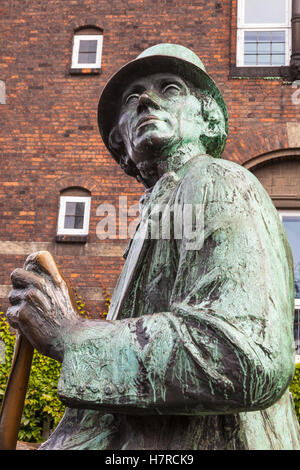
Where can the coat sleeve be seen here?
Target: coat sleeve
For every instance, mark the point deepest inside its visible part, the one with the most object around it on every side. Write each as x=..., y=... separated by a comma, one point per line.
x=226, y=343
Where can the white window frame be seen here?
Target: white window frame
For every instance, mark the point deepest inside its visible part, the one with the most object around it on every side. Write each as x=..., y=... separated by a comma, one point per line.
x=62, y=212
x=292, y=213
x=242, y=27
x=75, y=55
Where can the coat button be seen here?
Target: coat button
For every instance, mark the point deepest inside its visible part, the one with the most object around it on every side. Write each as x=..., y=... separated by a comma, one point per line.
x=121, y=388
x=108, y=389
x=80, y=389
x=94, y=387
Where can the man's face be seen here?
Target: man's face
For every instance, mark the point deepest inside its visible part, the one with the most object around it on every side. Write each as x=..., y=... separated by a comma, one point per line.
x=158, y=113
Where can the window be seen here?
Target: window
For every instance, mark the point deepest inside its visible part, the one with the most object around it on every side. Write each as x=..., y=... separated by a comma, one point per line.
x=74, y=215
x=2, y=92
x=291, y=222
x=87, y=51
x=264, y=33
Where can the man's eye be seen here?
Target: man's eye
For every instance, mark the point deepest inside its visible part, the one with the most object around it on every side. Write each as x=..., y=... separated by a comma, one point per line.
x=171, y=89
x=131, y=98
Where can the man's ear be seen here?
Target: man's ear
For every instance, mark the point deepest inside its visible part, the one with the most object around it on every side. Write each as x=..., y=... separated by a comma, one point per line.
x=115, y=141
x=116, y=145
x=215, y=135
x=213, y=117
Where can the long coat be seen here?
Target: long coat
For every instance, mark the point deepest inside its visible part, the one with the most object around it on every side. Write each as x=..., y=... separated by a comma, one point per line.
x=199, y=349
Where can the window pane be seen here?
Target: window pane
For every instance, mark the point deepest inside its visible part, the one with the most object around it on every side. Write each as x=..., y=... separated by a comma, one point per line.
x=250, y=47
x=278, y=47
x=74, y=215
x=269, y=46
x=250, y=59
x=265, y=11
x=264, y=60
x=250, y=36
x=292, y=228
x=80, y=208
x=278, y=59
x=88, y=45
x=70, y=208
x=278, y=36
x=73, y=222
x=264, y=47
x=87, y=58
x=264, y=36
x=78, y=222
x=69, y=221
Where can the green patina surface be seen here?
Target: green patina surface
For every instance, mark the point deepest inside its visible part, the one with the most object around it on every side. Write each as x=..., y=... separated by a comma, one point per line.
x=198, y=349
x=221, y=348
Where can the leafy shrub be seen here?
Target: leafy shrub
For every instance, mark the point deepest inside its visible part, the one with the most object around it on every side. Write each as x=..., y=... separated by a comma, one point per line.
x=41, y=404
x=295, y=389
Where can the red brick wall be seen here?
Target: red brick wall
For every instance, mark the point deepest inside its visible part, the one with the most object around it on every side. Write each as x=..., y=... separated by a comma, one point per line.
x=48, y=126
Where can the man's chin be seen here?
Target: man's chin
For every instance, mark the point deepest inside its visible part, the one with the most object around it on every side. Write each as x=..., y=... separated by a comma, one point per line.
x=152, y=144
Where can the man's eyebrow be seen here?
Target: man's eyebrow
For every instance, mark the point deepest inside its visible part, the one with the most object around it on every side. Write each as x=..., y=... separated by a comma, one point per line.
x=176, y=81
x=135, y=88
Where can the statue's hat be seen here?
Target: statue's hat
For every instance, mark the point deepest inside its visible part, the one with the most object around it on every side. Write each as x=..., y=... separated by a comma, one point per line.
x=161, y=58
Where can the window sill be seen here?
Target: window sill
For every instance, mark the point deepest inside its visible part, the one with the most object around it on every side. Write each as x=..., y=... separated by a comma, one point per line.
x=71, y=238
x=282, y=72
x=74, y=71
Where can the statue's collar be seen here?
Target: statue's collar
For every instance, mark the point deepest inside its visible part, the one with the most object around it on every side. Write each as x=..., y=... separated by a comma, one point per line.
x=150, y=171
x=174, y=172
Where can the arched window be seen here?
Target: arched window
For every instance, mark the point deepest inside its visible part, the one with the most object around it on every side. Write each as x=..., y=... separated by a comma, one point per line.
x=74, y=212
x=87, y=48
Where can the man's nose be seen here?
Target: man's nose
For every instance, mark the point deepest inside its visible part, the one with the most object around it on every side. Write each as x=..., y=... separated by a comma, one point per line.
x=148, y=99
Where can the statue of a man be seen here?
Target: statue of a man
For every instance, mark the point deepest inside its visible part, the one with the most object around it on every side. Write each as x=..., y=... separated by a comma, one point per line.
x=197, y=351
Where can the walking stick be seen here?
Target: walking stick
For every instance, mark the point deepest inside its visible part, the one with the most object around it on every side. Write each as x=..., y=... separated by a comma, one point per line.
x=15, y=393
x=16, y=387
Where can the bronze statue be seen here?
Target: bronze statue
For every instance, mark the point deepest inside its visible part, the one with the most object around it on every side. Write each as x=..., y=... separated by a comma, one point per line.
x=197, y=351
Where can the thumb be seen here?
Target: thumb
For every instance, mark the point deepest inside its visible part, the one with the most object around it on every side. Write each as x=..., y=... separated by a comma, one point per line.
x=43, y=261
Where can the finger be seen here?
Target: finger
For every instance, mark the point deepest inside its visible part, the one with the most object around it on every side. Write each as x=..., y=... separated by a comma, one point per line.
x=12, y=316
x=22, y=279
x=22, y=317
x=16, y=296
x=26, y=316
x=32, y=325
x=45, y=261
x=38, y=301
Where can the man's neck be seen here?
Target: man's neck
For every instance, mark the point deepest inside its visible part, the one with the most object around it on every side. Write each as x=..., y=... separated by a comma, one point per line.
x=152, y=170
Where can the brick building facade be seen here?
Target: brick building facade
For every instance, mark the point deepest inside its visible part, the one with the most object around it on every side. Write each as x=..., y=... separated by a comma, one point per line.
x=50, y=144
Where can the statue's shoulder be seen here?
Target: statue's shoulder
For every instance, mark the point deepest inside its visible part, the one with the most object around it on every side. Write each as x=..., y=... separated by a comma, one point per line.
x=216, y=170
x=208, y=178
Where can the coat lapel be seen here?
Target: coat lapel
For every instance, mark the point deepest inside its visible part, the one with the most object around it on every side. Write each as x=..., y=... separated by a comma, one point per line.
x=140, y=243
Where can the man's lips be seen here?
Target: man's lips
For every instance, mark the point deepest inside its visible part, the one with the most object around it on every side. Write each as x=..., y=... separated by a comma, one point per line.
x=146, y=120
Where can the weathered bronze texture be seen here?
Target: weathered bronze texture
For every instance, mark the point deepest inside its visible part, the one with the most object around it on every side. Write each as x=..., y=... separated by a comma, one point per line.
x=198, y=349
x=162, y=58
x=15, y=393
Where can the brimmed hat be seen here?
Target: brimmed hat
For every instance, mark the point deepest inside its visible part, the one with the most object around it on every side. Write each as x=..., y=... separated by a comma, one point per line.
x=170, y=58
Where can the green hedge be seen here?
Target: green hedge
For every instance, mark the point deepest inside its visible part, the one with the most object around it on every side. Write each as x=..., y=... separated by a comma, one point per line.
x=42, y=403
x=295, y=389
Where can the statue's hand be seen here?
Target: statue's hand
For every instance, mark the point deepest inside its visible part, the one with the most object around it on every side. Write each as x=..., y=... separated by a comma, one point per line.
x=42, y=308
